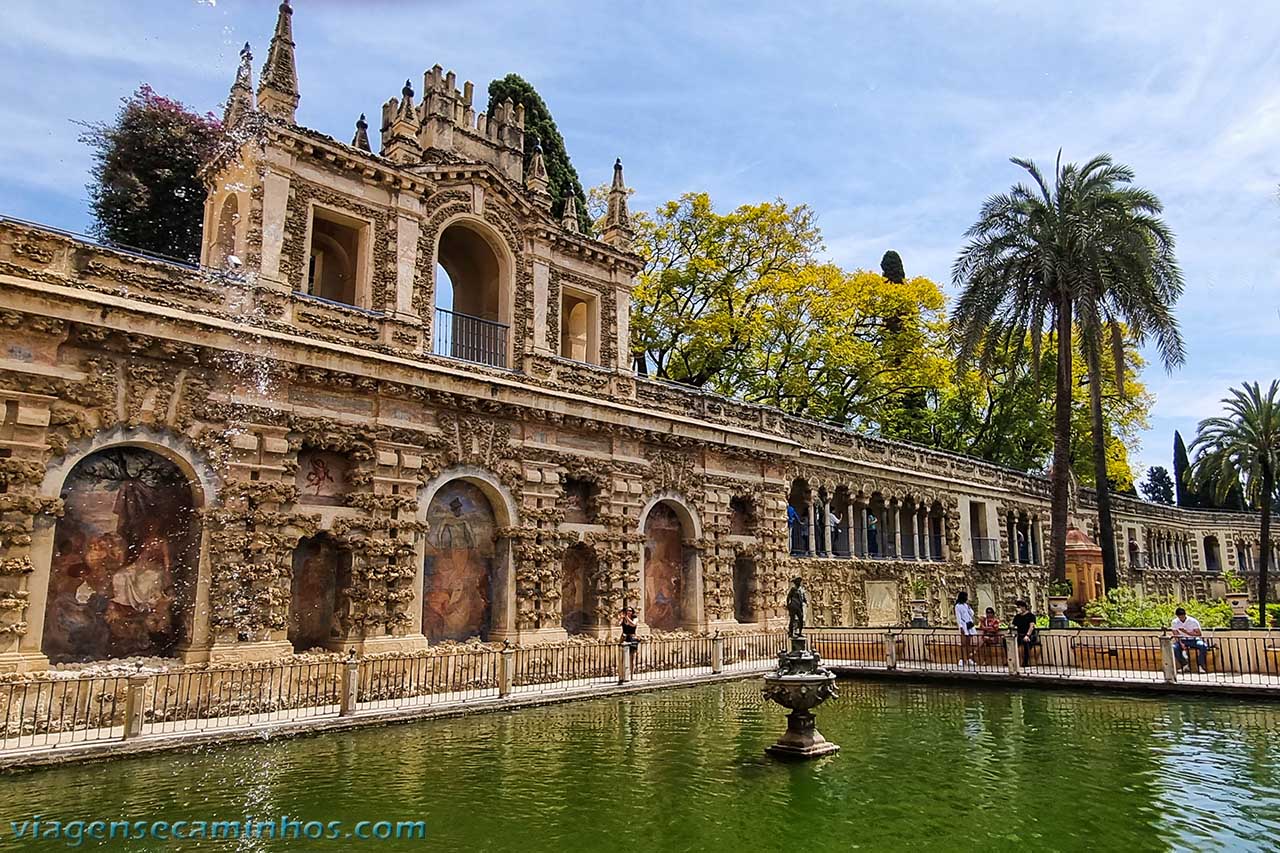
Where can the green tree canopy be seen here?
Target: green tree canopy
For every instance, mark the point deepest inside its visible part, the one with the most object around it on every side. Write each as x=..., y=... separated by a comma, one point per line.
x=540, y=128
x=146, y=192
x=1158, y=487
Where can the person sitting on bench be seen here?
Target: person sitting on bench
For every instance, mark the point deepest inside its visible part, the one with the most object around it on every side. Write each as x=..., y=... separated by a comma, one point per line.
x=1187, y=634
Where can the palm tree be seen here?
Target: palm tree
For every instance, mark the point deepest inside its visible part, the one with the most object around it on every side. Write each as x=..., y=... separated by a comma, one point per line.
x=1089, y=250
x=1135, y=295
x=1243, y=450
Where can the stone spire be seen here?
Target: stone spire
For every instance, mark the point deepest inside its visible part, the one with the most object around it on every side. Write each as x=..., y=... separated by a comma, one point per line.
x=278, y=89
x=569, y=219
x=361, y=139
x=535, y=177
x=400, y=128
x=617, y=222
x=240, y=101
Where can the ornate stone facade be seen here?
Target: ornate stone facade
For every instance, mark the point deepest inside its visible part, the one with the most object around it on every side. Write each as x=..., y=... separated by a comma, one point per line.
x=235, y=374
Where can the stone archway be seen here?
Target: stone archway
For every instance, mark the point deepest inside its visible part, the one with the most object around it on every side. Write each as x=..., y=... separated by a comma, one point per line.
x=123, y=573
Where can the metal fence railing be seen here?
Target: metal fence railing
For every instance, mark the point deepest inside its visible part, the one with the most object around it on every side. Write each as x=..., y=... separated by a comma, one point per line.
x=61, y=711
x=658, y=657
x=470, y=338
x=52, y=712
x=406, y=681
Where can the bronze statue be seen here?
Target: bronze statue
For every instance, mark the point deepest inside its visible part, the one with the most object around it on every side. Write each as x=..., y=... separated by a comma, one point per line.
x=796, y=603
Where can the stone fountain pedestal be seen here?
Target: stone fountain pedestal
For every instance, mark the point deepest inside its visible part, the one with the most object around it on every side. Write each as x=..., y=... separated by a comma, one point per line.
x=801, y=684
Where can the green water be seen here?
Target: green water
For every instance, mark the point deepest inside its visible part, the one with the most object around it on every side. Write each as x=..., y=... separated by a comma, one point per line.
x=922, y=767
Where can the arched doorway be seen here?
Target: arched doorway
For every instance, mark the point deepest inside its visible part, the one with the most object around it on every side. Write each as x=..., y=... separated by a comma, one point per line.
x=577, y=604
x=798, y=516
x=670, y=588
x=318, y=592
x=461, y=564
x=122, y=577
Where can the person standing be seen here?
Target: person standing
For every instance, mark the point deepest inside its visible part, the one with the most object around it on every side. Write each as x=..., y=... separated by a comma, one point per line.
x=964, y=621
x=1024, y=628
x=629, y=624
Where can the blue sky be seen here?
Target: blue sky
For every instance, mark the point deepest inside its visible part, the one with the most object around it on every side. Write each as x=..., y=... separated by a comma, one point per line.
x=893, y=120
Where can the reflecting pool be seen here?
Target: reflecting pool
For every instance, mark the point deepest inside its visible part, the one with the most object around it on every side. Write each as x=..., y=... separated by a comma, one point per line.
x=922, y=766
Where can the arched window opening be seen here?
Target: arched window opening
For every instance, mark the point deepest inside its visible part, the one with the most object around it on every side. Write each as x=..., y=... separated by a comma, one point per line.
x=936, y=531
x=1212, y=555
x=334, y=264
x=122, y=578
x=460, y=564
x=798, y=517
x=318, y=592
x=224, y=242
x=578, y=337
x=577, y=603
x=471, y=320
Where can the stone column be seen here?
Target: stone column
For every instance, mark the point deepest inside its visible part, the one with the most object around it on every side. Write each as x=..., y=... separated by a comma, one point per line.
x=813, y=508
x=897, y=529
x=862, y=532
x=851, y=529
x=928, y=534
x=922, y=547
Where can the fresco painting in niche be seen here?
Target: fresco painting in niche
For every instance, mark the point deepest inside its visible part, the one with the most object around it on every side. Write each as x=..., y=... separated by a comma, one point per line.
x=460, y=562
x=322, y=477
x=664, y=564
x=320, y=569
x=122, y=573
x=576, y=570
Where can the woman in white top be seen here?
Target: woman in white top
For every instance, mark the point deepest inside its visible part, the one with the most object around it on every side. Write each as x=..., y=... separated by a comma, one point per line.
x=964, y=621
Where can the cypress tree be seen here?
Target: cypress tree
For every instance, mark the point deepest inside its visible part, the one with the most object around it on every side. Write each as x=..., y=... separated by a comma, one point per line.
x=1181, y=468
x=891, y=267
x=539, y=126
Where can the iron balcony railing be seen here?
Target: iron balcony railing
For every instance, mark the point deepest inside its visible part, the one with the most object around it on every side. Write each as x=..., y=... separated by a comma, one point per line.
x=986, y=550
x=470, y=338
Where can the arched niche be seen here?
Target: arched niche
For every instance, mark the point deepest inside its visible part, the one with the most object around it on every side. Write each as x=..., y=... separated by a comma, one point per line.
x=224, y=231
x=318, y=592
x=123, y=571
x=578, y=605
x=670, y=569
x=468, y=580
x=745, y=583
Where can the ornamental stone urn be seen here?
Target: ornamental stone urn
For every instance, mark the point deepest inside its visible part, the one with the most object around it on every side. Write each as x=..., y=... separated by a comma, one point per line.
x=800, y=684
x=1058, y=611
x=1239, y=602
x=919, y=612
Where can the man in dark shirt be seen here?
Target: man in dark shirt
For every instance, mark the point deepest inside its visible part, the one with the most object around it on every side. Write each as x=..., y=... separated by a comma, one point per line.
x=1024, y=628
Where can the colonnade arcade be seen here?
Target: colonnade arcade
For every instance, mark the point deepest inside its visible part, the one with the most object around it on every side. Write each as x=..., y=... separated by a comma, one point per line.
x=866, y=523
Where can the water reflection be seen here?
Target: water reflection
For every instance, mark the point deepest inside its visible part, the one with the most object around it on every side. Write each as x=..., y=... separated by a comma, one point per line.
x=921, y=766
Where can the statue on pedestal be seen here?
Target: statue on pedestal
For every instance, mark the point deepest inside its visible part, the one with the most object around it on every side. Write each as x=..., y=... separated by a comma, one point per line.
x=797, y=600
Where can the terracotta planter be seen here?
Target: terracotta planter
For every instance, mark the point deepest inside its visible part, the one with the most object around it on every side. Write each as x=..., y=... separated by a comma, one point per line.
x=1239, y=602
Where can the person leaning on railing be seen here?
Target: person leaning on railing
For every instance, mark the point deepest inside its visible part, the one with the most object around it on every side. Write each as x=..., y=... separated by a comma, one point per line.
x=1024, y=628
x=1187, y=634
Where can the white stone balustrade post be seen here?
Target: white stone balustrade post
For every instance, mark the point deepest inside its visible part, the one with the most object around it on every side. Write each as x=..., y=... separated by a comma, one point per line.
x=135, y=702
x=350, y=687
x=506, y=671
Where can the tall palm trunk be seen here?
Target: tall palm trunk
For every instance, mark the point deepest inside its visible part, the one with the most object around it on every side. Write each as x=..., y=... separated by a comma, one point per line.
x=1061, y=438
x=1106, y=528
x=1268, y=495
